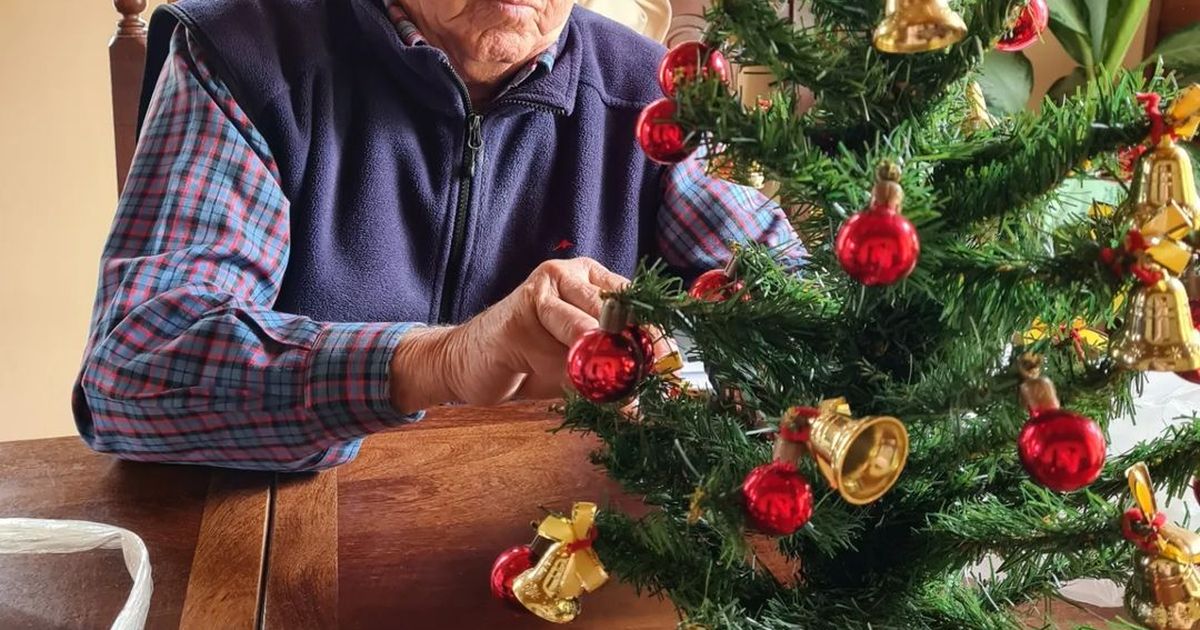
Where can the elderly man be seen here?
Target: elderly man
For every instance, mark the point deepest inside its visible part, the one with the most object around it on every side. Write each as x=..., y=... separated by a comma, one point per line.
x=318, y=180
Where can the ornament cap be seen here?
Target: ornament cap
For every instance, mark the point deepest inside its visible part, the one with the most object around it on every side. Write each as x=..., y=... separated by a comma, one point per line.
x=888, y=170
x=1037, y=391
x=614, y=316
x=887, y=194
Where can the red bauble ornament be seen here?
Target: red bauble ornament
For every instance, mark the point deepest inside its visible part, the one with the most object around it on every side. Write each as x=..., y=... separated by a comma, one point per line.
x=1061, y=450
x=1196, y=486
x=661, y=138
x=509, y=564
x=778, y=499
x=1027, y=28
x=687, y=60
x=643, y=340
x=1193, y=376
x=605, y=367
x=878, y=246
x=716, y=285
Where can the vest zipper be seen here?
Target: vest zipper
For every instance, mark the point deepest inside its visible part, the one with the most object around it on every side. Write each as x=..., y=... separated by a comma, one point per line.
x=470, y=157
x=454, y=263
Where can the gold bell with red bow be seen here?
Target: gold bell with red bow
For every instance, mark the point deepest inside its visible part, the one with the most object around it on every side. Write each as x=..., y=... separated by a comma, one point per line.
x=565, y=569
x=1159, y=334
x=1164, y=593
x=860, y=458
x=1167, y=205
x=912, y=26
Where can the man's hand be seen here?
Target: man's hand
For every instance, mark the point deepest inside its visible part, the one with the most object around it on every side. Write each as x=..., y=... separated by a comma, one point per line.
x=516, y=348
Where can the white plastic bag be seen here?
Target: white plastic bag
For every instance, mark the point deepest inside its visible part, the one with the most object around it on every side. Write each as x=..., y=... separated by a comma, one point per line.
x=35, y=535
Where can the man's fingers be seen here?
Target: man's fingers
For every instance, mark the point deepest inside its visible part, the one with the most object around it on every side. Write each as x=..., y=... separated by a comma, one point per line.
x=582, y=295
x=603, y=278
x=565, y=322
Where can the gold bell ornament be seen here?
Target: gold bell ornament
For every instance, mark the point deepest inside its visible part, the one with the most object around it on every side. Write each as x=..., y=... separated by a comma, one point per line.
x=1167, y=208
x=860, y=458
x=1164, y=592
x=912, y=26
x=1158, y=334
x=978, y=117
x=567, y=568
x=1168, y=185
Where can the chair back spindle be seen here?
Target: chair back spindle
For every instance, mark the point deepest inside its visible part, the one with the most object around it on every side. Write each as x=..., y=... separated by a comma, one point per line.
x=126, y=61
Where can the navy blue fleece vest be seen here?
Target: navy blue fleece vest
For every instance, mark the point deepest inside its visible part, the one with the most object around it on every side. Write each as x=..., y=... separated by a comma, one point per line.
x=400, y=211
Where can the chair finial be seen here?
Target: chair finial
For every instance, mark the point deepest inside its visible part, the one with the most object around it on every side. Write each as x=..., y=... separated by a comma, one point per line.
x=131, y=23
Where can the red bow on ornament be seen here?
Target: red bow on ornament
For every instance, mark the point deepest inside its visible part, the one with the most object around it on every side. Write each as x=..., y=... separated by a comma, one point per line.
x=1128, y=157
x=1141, y=531
x=1127, y=259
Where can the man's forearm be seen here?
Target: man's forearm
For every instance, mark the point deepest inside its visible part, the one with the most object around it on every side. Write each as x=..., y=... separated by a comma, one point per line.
x=419, y=377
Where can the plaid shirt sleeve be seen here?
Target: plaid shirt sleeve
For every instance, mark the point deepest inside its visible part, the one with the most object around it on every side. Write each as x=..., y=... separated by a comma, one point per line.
x=702, y=216
x=186, y=361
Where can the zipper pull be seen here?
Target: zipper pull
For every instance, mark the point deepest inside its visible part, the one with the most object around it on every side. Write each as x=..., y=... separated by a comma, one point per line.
x=474, y=142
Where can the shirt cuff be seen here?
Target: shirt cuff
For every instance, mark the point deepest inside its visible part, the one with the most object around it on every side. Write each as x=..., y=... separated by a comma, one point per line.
x=347, y=387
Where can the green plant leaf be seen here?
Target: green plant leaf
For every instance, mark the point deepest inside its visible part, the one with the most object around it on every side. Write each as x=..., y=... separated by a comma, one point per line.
x=1069, y=23
x=1007, y=82
x=1067, y=85
x=1071, y=14
x=1121, y=24
x=1097, y=16
x=1180, y=51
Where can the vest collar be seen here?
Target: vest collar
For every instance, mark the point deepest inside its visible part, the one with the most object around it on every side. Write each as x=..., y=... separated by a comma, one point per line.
x=425, y=73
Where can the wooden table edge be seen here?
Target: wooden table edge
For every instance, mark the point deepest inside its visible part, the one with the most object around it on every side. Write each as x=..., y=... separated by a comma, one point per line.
x=229, y=565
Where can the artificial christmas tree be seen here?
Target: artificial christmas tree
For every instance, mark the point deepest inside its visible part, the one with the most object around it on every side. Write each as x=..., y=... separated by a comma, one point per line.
x=999, y=255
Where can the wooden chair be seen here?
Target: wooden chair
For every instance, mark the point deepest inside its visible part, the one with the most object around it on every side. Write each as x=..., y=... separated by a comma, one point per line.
x=126, y=62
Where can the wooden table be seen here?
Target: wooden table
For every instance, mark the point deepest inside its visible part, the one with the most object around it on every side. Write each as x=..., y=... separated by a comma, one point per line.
x=404, y=536
x=205, y=530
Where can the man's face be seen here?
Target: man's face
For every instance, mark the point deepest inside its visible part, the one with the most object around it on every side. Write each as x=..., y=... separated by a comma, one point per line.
x=494, y=31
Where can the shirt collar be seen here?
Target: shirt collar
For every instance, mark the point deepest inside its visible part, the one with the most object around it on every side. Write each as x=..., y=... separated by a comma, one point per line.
x=411, y=36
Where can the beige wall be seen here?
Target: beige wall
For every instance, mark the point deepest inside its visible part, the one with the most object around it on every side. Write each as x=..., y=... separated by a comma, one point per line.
x=57, y=194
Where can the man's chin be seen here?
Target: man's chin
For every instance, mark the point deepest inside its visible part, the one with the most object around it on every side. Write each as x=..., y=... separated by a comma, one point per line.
x=505, y=46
